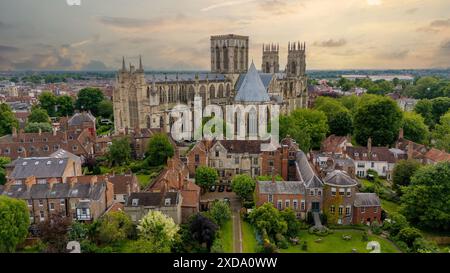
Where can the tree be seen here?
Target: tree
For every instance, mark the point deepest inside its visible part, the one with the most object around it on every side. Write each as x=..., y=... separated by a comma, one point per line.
x=244, y=186
x=119, y=153
x=409, y=235
x=105, y=109
x=350, y=102
x=38, y=115
x=205, y=176
x=267, y=218
x=293, y=225
x=440, y=106
x=89, y=99
x=54, y=233
x=48, y=102
x=203, y=230
x=308, y=127
x=64, y=105
x=158, y=229
x=3, y=162
x=14, y=222
x=441, y=133
x=414, y=128
x=425, y=201
x=403, y=171
x=339, y=117
x=7, y=120
x=378, y=118
x=220, y=212
x=425, y=109
x=34, y=127
x=159, y=149
x=114, y=227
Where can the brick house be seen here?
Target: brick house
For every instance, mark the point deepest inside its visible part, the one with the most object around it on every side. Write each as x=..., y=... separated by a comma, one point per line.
x=335, y=145
x=367, y=208
x=140, y=203
x=280, y=160
x=124, y=185
x=174, y=178
x=339, y=196
x=79, y=200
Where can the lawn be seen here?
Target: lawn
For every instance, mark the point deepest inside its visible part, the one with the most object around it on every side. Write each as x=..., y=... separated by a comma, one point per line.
x=333, y=243
x=390, y=206
x=249, y=243
x=143, y=180
x=227, y=236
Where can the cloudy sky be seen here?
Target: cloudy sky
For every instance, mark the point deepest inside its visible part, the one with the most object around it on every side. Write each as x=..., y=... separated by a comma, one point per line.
x=174, y=34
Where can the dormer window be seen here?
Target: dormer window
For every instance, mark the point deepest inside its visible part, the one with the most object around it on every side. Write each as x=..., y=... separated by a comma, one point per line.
x=167, y=202
x=356, y=154
x=46, y=148
x=374, y=155
x=134, y=202
x=364, y=154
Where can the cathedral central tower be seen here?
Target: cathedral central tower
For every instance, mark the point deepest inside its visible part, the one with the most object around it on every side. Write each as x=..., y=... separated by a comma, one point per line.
x=229, y=54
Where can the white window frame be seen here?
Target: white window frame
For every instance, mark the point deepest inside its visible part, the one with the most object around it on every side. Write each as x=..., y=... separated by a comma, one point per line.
x=270, y=198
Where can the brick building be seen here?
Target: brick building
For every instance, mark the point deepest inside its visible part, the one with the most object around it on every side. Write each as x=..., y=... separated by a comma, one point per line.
x=367, y=208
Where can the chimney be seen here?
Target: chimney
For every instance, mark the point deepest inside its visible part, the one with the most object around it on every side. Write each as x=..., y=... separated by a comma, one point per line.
x=126, y=130
x=273, y=175
x=401, y=134
x=14, y=131
x=72, y=181
x=369, y=145
x=54, y=130
x=128, y=188
x=40, y=131
x=410, y=150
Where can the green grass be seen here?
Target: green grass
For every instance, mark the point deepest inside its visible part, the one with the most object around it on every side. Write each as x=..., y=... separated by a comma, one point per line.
x=143, y=180
x=227, y=236
x=333, y=243
x=390, y=206
x=249, y=243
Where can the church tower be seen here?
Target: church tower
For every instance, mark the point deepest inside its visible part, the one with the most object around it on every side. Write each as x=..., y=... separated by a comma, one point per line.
x=229, y=54
x=296, y=62
x=270, y=59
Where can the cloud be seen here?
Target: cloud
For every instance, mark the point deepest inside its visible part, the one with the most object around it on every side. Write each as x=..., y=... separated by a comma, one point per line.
x=374, y=2
x=331, y=43
x=396, y=54
x=8, y=49
x=95, y=65
x=436, y=26
x=411, y=11
x=280, y=7
x=226, y=4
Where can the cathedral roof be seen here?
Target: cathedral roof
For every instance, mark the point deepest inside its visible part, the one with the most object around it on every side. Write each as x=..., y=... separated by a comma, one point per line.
x=252, y=88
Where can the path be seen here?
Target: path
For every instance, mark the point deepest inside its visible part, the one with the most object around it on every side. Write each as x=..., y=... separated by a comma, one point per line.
x=237, y=229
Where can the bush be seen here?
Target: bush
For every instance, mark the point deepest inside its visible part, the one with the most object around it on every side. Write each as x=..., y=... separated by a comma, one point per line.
x=305, y=246
x=281, y=241
x=365, y=236
x=217, y=246
x=424, y=246
x=409, y=235
x=375, y=228
x=323, y=219
x=248, y=204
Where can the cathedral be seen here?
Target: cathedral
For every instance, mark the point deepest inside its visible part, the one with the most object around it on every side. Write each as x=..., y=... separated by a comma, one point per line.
x=145, y=100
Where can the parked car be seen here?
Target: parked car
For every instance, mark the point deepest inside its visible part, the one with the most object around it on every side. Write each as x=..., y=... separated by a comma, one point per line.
x=221, y=188
x=229, y=188
x=212, y=188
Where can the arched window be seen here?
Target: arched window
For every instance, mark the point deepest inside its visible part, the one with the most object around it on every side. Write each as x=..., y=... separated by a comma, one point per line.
x=203, y=95
x=212, y=92
x=225, y=58
x=217, y=58
x=252, y=123
x=161, y=122
x=148, y=92
x=220, y=94
x=191, y=93
x=228, y=91
x=293, y=67
x=149, y=122
x=267, y=67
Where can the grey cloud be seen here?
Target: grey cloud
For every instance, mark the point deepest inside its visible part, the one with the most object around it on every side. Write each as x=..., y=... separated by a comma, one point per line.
x=411, y=11
x=331, y=43
x=95, y=65
x=436, y=26
x=124, y=22
x=8, y=49
x=399, y=54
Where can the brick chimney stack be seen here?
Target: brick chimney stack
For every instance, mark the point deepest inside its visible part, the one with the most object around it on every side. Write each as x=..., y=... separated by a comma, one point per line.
x=410, y=150
x=369, y=145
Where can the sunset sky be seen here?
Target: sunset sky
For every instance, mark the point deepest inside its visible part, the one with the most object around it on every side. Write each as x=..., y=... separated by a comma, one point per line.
x=174, y=34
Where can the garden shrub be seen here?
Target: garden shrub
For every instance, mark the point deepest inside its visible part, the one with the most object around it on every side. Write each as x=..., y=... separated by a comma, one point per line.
x=281, y=241
x=375, y=228
x=365, y=236
x=217, y=246
x=305, y=245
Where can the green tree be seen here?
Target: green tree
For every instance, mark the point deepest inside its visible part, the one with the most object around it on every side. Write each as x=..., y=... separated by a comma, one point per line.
x=409, y=235
x=3, y=162
x=440, y=106
x=54, y=233
x=65, y=107
x=38, y=115
x=425, y=109
x=395, y=223
x=403, y=171
x=114, y=227
x=414, y=128
x=425, y=201
x=267, y=218
x=308, y=127
x=89, y=99
x=119, y=153
x=350, y=102
x=105, y=109
x=48, y=102
x=158, y=229
x=7, y=120
x=379, y=118
x=243, y=185
x=205, y=176
x=33, y=127
x=220, y=212
x=159, y=149
x=14, y=222
x=339, y=118
x=441, y=133
x=293, y=224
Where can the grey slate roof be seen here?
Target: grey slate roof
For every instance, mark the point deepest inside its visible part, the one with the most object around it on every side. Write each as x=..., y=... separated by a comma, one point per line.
x=266, y=78
x=79, y=118
x=40, y=167
x=18, y=191
x=306, y=172
x=252, y=88
x=339, y=178
x=80, y=191
x=364, y=199
x=61, y=153
x=39, y=191
x=152, y=199
x=59, y=190
x=281, y=187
